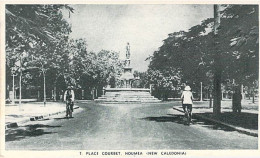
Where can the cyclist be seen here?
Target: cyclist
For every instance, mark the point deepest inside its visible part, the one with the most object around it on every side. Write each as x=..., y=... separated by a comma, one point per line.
x=187, y=99
x=69, y=99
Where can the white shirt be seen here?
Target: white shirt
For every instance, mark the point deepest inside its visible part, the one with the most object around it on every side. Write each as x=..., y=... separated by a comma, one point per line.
x=72, y=95
x=187, y=97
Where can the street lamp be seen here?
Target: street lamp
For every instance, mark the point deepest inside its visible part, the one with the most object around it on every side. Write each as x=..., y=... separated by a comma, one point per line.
x=20, y=80
x=20, y=84
x=43, y=70
x=13, y=74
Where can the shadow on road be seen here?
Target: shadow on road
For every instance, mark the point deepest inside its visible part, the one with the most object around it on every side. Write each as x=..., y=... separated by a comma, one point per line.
x=27, y=131
x=245, y=120
x=35, y=126
x=61, y=118
x=179, y=119
x=172, y=118
x=15, y=116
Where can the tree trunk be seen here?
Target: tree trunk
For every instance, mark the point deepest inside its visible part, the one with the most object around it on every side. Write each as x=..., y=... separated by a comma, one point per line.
x=20, y=89
x=217, y=65
x=38, y=95
x=201, y=93
x=44, y=90
x=217, y=93
x=242, y=92
x=253, y=95
x=13, y=102
x=55, y=93
x=210, y=101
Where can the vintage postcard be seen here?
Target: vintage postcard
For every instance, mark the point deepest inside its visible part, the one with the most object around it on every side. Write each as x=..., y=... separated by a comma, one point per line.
x=129, y=79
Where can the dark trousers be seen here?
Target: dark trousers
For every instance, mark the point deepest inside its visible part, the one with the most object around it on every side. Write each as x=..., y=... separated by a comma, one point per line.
x=187, y=106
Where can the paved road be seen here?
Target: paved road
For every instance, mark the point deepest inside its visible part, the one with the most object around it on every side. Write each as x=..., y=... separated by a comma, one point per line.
x=137, y=127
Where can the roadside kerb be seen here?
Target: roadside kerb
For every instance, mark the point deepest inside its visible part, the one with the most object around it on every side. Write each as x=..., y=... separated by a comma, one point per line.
x=34, y=118
x=239, y=129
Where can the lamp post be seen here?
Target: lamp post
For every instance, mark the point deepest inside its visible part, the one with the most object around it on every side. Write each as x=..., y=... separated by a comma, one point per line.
x=13, y=74
x=20, y=84
x=44, y=88
x=24, y=54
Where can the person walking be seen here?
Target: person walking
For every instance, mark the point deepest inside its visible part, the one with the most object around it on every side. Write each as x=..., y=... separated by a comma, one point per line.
x=187, y=100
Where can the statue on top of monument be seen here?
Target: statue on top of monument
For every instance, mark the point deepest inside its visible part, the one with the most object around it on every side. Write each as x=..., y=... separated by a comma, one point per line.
x=128, y=51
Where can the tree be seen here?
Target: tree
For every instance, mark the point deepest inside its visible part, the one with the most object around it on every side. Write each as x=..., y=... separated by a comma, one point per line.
x=37, y=31
x=200, y=56
x=88, y=70
x=108, y=66
x=182, y=55
x=240, y=35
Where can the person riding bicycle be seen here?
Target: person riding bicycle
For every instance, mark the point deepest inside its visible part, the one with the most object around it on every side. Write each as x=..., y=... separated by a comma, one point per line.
x=69, y=98
x=187, y=99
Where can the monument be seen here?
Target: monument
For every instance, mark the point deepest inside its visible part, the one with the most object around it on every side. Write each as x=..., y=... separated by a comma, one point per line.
x=127, y=94
x=127, y=77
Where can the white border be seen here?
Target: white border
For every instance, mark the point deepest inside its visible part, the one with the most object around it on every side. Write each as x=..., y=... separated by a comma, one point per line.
x=75, y=153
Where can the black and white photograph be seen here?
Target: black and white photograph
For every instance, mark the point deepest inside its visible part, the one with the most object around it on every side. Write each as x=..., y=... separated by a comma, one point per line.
x=130, y=79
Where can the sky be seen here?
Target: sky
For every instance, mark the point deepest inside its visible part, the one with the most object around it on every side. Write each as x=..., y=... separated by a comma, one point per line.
x=144, y=26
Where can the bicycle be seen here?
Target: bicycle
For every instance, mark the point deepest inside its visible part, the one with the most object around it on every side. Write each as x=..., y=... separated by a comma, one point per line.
x=187, y=115
x=69, y=108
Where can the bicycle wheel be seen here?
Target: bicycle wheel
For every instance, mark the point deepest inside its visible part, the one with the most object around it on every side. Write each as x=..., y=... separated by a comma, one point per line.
x=67, y=112
x=70, y=112
x=188, y=118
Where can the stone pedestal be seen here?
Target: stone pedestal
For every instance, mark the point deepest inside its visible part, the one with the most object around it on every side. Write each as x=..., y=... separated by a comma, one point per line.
x=127, y=95
x=127, y=77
